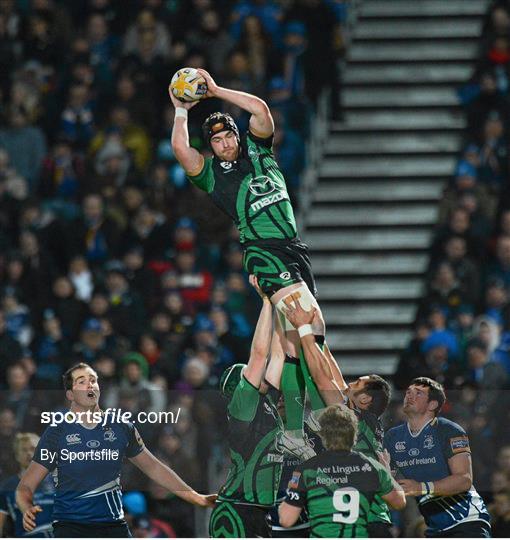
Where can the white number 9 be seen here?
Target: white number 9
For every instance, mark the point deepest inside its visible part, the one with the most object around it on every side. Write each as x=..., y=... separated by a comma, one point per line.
x=346, y=501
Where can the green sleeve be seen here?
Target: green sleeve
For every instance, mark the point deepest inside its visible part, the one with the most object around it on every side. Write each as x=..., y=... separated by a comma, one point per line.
x=385, y=480
x=204, y=180
x=244, y=402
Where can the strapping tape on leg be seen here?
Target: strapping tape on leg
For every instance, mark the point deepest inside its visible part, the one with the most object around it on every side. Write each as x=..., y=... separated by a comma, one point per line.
x=306, y=300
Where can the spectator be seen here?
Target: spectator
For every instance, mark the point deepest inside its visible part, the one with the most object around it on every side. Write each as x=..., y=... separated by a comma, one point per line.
x=25, y=144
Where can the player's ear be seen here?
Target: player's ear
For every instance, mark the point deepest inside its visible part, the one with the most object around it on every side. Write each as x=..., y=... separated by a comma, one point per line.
x=69, y=395
x=433, y=405
x=364, y=399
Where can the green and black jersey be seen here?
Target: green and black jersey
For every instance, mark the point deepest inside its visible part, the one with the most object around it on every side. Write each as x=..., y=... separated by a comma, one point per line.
x=370, y=434
x=251, y=190
x=254, y=424
x=337, y=489
x=370, y=443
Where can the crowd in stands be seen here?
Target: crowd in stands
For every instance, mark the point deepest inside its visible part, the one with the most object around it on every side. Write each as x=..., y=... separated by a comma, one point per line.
x=107, y=254
x=462, y=330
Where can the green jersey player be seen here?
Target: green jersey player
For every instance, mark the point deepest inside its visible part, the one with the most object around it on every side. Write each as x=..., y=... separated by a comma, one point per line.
x=368, y=397
x=337, y=487
x=244, y=180
x=254, y=427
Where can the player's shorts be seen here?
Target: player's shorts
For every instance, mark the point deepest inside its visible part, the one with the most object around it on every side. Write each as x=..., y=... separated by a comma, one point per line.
x=230, y=520
x=379, y=529
x=471, y=529
x=278, y=264
x=74, y=529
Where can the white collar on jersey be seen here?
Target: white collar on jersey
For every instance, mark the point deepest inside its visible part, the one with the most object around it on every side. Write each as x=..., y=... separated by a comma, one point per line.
x=414, y=435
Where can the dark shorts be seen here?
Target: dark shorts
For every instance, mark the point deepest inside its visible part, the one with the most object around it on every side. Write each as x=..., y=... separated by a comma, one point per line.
x=278, y=264
x=379, y=530
x=229, y=520
x=292, y=533
x=472, y=529
x=73, y=529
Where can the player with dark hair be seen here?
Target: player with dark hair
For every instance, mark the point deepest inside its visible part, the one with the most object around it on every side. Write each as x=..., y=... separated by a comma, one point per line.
x=87, y=455
x=244, y=181
x=24, y=447
x=337, y=487
x=433, y=457
x=254, y=426
x=367, y=396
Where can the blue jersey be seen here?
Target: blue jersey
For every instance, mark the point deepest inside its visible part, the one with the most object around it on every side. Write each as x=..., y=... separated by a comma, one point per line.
x=88, y=464
x=289, y=466
x=44, y=497
x=424, y=457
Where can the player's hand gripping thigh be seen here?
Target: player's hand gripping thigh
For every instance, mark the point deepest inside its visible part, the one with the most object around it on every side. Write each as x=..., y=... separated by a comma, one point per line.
x=282, y=298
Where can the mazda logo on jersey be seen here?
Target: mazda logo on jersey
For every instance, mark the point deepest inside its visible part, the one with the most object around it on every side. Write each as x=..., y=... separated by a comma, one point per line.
x=93, y=444
x=262, y=185
x=414, y=452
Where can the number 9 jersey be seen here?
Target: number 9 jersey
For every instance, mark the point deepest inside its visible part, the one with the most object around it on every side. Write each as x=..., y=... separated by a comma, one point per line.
x=337, y=488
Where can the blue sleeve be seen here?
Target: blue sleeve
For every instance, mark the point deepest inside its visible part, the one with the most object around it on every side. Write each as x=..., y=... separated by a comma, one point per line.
x=135, y=442
x=454, y=439
x=47, y=451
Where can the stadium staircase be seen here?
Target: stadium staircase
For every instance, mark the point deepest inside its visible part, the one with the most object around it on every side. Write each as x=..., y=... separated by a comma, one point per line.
x=374, y=203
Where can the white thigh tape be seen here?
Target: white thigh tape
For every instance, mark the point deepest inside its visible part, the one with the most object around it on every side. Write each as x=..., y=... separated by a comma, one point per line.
x=306, y=300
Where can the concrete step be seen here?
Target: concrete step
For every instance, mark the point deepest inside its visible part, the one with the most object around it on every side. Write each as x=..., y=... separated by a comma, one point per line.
x=403, y=96
x=400, y=120
x=368, y=30
x=373, y=215
x=363, y=314
x=357, y=365
x=361, y=240
x=408, y=74
x=368, y=288
x=353, y=264
x=384, y=143
x=340, y=340
x=439, y=50
x=423, y=8
x=378, y=191
x=387, y=167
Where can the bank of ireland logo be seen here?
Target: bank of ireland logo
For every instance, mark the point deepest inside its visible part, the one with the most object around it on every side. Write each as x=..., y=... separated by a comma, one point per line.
x=93, y=444
x=414, y=452
x=262, y=186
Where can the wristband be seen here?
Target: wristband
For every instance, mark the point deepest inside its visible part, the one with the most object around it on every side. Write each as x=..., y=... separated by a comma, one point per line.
x=427, y=488
x=305, y=330
x=181, y=112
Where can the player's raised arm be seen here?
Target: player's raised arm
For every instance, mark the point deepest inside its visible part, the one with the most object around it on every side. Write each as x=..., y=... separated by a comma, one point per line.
x=261, y=121
x=27, y=486
x=318, y=363
x=275, y=366
x=261, y=343
x=190, y=159
x=166, y=477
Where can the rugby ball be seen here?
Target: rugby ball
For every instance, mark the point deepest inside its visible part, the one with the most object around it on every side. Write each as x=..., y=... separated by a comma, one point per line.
x=188, y=85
